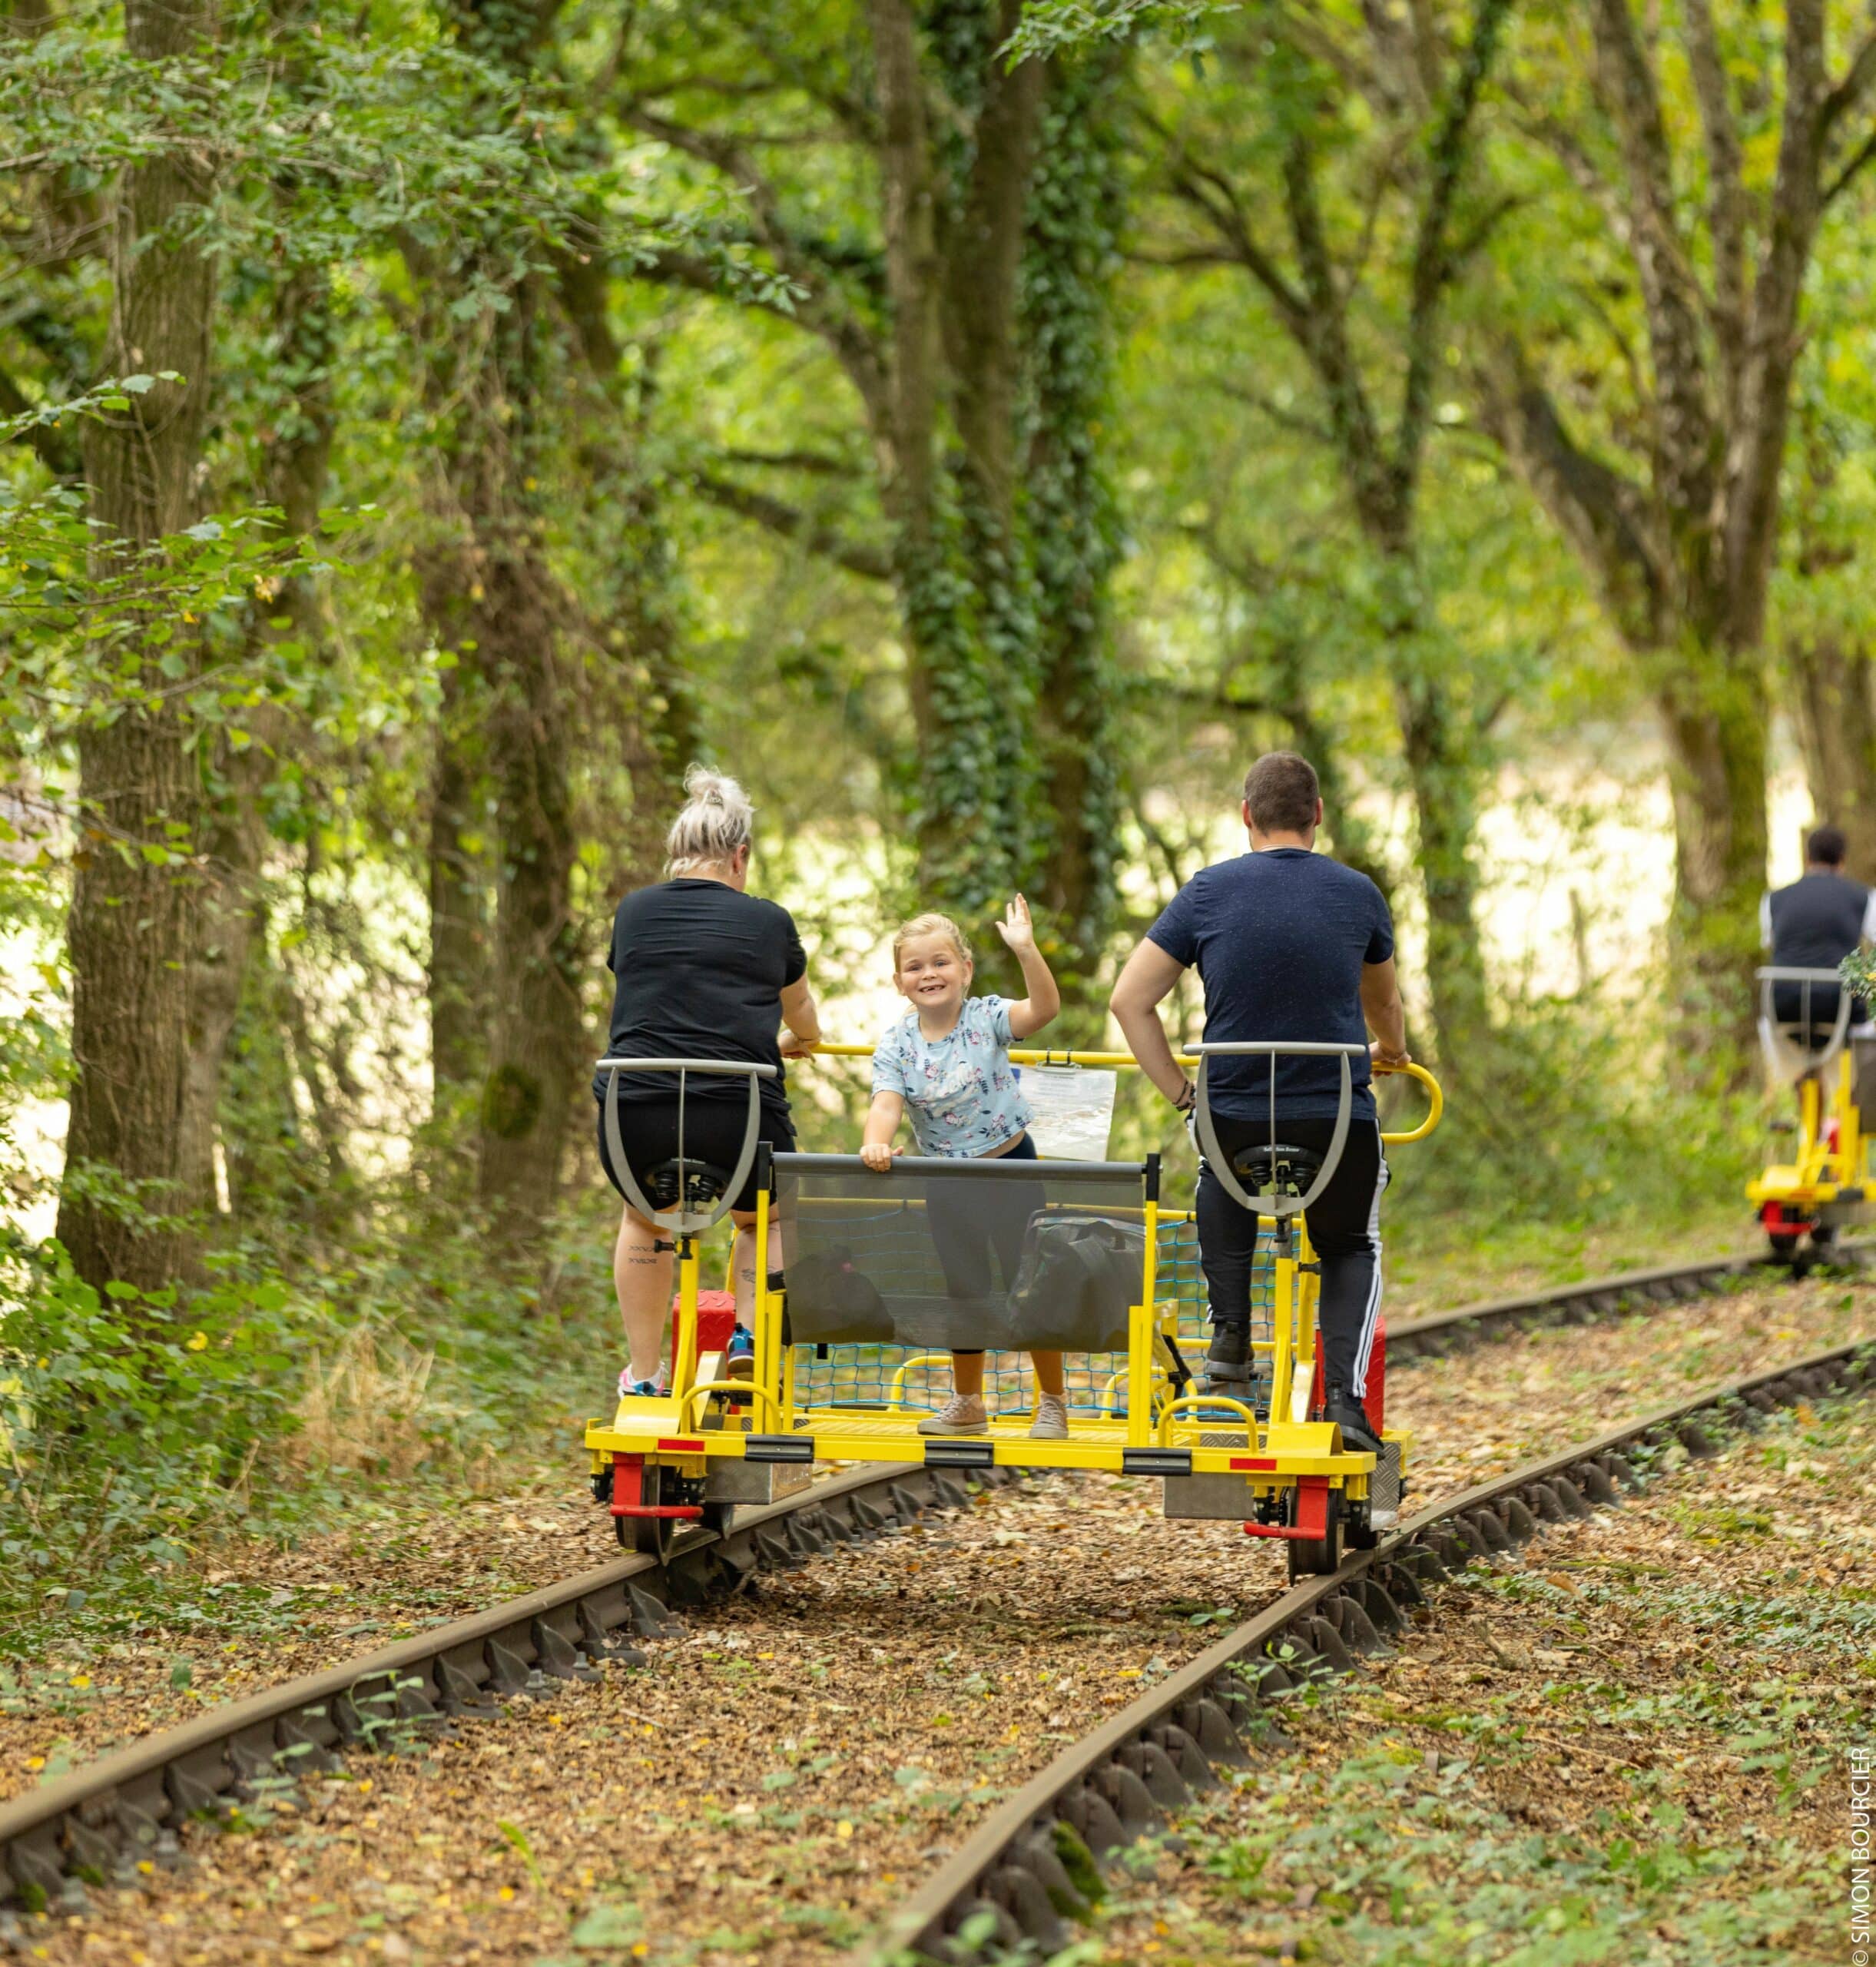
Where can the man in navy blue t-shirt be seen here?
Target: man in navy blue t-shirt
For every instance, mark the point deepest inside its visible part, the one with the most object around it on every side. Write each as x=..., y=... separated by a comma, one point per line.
x=1291, y=945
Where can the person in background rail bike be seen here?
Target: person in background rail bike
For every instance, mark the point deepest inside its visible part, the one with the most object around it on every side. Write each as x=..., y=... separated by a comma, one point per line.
x=1822, y=918
x=705, y=970
x=1290, y=945
x=946, y=1062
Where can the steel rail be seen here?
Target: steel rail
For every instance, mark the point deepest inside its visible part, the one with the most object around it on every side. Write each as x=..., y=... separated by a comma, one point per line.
x=1433, y=1336
x=99, y=1823
x=1007, y=1890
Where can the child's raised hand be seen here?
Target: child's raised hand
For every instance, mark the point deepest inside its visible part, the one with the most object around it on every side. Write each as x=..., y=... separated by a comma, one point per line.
x=1017, y=930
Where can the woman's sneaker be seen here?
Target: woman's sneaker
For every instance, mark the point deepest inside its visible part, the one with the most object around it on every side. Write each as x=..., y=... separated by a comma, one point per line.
x=1051, y=1420
x=739, y=1356
x=962, y=1413
x=631, y=1389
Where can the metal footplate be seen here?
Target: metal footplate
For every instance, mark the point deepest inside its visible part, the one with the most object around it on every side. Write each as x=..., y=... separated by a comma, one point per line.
x=1384, y=1488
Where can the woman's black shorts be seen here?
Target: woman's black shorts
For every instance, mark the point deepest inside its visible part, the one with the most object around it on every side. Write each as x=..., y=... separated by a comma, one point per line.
x=713, y=1132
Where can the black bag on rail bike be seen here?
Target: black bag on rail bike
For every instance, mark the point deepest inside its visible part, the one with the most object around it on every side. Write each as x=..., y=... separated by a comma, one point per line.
x=828, y=1300
x=1079, y=1277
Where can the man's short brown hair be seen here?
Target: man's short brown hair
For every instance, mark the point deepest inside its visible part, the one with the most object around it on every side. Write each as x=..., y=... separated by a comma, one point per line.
x=1281, y=792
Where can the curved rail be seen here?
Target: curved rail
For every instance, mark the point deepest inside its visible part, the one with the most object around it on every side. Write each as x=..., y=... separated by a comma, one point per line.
x=1007, y=1884
x=100, y=1822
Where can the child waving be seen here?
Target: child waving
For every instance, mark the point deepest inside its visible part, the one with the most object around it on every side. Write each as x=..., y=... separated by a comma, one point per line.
x=947, y=1063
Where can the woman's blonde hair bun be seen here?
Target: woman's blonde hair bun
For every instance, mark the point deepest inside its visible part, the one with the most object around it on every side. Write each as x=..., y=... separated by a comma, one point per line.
x=717, y=819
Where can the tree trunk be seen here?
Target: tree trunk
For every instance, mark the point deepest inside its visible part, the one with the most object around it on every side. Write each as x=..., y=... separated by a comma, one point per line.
x=131, y=934
x=1836, y=717
x=1714, y=713
x=537, y=1033
x=1075, y=204
x=457, y=975
x=1442, y=775
x=234, y=836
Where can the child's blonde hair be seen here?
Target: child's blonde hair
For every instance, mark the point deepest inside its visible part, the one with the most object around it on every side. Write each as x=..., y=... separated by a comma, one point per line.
x=930, y=924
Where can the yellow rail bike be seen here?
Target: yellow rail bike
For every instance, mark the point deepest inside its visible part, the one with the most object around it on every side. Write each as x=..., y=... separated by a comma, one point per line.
x=1804, y=1201
x=885, y=1273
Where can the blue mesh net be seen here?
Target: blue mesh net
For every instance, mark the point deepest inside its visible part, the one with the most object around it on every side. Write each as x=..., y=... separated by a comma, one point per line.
x=893, y=1249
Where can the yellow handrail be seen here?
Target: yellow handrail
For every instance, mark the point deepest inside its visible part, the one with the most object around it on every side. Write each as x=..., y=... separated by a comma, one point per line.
x=1435, y=1103
x=741, y=1389
x=1126, y=1062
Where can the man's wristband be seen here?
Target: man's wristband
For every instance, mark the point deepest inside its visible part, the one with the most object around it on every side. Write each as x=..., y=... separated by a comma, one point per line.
x=1187, y=1097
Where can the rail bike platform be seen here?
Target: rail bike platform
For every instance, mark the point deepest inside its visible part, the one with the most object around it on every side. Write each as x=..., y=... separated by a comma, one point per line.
x=885, y=1274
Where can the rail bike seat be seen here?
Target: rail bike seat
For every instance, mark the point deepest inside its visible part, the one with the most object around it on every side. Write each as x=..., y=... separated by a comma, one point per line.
x=1803, y=1018
x=697, y=1183
x=1269, y=1178
x=688, y=1197
x=1277, y=1167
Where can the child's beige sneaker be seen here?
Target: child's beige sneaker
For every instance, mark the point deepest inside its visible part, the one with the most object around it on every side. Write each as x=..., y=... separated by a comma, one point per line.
x=1051, y=1420
x=962, y=1413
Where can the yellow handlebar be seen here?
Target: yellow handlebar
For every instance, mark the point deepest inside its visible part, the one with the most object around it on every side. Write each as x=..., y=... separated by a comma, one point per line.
x=1436, y=1104
x=1126, y=1062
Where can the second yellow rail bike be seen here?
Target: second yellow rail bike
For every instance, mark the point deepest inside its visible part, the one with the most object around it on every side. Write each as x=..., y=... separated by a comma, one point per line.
x=854, y=1349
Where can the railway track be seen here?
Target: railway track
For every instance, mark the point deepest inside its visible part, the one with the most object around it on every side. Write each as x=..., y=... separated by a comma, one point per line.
x=1009, y=1889
x=109, y=1823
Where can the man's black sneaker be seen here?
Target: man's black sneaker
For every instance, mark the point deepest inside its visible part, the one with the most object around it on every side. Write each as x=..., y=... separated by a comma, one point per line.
x=1345, y=1412
x=1227, y=1363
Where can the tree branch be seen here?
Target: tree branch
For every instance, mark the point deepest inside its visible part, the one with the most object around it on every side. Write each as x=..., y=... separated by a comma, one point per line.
x=790, y=522
x=824, y=311
x=57, y=450
x=1726, y=198
x=1601, y=513
x=1432, y=251
x=1756, y=454
x=1324, y=338
x=1670, y=294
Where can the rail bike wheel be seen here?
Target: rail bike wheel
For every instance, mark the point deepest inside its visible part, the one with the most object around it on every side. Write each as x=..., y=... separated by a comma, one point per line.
x=653, y=1536
x=1315, y=1557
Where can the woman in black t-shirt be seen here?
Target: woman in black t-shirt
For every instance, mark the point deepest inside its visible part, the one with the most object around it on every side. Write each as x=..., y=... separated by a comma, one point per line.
x=705, y=970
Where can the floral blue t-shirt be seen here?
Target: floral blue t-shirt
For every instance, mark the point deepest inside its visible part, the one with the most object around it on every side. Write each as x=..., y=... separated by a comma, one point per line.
x=959, y=1090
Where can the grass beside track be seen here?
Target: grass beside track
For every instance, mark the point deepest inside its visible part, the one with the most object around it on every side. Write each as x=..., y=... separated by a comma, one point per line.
x=1626, y=1744
x=768, y=1786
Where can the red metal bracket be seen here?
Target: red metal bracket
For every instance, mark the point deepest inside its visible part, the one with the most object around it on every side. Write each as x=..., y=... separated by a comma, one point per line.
x=1312, y=1513
x=1781, y=1228
x=627, y=1495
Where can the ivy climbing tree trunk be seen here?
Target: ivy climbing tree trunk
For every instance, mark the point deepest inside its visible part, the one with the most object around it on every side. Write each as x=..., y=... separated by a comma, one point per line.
x=1076, y=205
x=971, y=358
x=130, y=936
